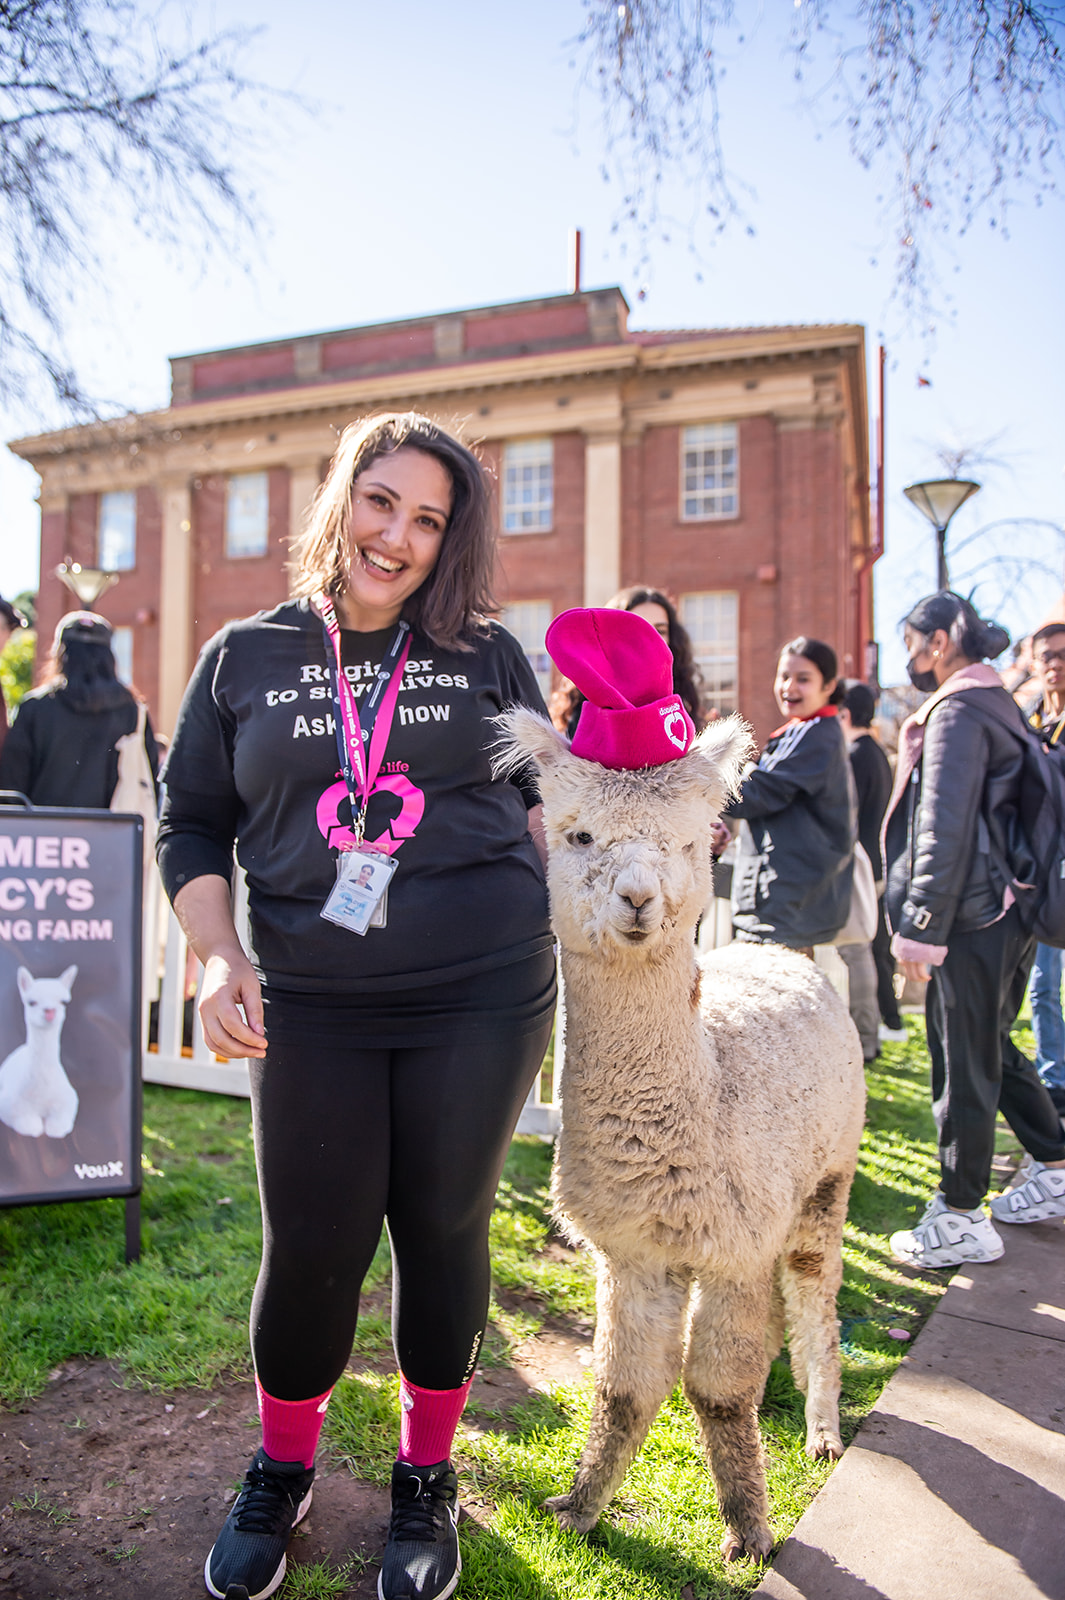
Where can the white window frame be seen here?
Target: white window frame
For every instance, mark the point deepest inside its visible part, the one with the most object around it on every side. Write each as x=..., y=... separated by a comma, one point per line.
x=712, y=620
x=247, y=515
x=528, y=485
x=528, y=621
x=709, y=472
x=122, y=650
x=116, y=532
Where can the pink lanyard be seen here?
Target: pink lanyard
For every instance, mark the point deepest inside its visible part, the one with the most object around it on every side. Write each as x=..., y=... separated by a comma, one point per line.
x=360, y=771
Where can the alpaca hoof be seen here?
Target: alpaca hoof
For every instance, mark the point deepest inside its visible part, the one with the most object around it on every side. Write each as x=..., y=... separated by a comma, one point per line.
x=824, y=1443
x=566, y=1514
x=758, y=1545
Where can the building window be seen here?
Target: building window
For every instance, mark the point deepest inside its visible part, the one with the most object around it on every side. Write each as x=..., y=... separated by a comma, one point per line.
x=528, y=621
x=117, y=540
x=712, y=621
x=122, y=650
x=528, y=486
x=709, y=471
x=247, y=514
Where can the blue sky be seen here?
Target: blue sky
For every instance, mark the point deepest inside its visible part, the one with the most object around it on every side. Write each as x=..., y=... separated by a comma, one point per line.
x=448, y=157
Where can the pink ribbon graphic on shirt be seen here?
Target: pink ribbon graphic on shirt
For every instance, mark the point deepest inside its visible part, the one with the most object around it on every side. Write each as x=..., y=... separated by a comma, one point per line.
x=339, y=835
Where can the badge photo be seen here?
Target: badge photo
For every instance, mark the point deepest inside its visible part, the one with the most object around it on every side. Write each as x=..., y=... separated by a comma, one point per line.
x=357, y=900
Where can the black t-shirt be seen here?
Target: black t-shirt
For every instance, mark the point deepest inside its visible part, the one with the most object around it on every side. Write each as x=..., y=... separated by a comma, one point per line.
x=255, y=756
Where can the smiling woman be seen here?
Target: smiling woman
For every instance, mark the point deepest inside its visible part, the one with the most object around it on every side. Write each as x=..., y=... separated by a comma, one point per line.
x=404, y=979
x=375, y=536
x=795, y=861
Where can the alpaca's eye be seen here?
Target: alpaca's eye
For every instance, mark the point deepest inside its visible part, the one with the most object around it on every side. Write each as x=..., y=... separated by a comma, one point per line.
x=582, y=838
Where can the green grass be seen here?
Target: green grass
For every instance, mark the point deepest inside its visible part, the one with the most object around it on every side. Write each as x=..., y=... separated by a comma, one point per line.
x=179, y=1316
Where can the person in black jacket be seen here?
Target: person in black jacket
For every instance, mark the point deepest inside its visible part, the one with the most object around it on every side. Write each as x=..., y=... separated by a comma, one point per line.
x=872, y=782
x=62, y=746
x=791, y=883
x=947, y=847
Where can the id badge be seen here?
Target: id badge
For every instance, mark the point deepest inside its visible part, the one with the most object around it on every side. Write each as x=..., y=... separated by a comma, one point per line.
x=359, y=898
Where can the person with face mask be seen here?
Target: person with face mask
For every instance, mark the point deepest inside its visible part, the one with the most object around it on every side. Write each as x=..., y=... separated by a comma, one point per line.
x=947, y=844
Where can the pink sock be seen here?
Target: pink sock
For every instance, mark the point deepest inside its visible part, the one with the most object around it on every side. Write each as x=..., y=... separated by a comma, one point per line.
x=291, y=1427
x=428, y=1419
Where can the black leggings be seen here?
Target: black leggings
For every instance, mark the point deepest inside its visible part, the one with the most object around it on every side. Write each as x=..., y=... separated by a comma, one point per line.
x=971, y=1004
x=346, y=1138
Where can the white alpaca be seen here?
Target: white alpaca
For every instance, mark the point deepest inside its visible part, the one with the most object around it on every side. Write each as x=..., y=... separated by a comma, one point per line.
x=711, y=1113
x=36, y=1096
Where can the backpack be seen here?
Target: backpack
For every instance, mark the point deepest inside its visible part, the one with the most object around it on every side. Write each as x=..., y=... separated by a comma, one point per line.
x=1037, y=865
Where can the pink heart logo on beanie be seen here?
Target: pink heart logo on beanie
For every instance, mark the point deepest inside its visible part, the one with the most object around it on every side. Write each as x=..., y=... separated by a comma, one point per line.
x=676, y=729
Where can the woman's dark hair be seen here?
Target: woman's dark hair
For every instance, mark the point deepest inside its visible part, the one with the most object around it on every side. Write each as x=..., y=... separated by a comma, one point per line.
x=84, y=677
x=824, y=659
x=456, y=598
x=11, y=616
x=975, y=638
x=687, y=679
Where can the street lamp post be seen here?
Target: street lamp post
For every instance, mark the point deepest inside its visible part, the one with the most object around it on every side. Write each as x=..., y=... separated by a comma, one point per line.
x=938, y=500
x=86, y=583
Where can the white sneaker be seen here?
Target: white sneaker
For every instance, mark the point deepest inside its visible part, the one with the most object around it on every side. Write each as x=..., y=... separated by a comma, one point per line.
x=1039, y=1198
x=893, y=1035
x=945, y=1238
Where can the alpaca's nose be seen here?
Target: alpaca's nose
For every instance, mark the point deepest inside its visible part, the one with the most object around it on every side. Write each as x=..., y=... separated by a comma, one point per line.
x=636, y=898
x=636, y=885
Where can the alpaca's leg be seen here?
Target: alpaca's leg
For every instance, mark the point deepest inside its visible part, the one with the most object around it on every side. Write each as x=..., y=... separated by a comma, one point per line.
x=638, y=1346
x=725, y=1368
x=811, y=1270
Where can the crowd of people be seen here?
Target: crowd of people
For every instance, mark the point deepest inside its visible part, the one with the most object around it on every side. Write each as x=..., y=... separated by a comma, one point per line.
x=402, y=990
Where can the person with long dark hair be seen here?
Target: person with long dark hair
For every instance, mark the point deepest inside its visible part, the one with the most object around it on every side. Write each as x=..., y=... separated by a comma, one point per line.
x=62, y=749
x=394, y=1020
x=949, y=838
x=658, y=609
x=791, y=882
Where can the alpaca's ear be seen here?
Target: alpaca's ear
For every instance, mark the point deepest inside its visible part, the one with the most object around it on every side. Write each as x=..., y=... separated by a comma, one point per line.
x=24, y=978
x=726, y=746
x=67, y=979
x=525, y=737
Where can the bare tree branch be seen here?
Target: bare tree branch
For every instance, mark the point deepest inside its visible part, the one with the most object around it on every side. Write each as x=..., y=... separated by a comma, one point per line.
x=963, y=100
x=105, y=118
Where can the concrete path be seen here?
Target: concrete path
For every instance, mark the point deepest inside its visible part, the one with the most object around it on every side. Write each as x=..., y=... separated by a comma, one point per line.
x=954, y=1488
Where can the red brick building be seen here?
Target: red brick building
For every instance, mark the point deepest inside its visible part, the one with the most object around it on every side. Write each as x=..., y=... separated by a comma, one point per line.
x=730, y=467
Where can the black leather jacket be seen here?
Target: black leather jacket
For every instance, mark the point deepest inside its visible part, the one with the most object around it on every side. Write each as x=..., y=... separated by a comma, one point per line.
x=952, y=835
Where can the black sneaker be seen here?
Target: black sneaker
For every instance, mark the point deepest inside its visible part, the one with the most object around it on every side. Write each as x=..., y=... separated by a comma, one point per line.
x=248, y=1559
x=421, y=1559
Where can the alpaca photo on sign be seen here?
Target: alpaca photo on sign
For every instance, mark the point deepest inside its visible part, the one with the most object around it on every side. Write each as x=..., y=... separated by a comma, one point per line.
x=36, y=1096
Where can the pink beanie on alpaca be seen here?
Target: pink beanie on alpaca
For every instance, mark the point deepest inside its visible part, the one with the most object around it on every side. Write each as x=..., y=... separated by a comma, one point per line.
x=631, y=716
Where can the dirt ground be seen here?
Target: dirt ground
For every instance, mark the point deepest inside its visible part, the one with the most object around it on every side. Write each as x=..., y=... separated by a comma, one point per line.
x=111, y=1491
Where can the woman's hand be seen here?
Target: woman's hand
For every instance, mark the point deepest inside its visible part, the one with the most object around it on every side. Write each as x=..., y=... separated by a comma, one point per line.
x=720, y=837
x=231, y=1001
x=231, y=1006
x=916, y=971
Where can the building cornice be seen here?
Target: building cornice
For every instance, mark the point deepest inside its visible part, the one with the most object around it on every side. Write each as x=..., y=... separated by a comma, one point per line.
x=622, y=361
